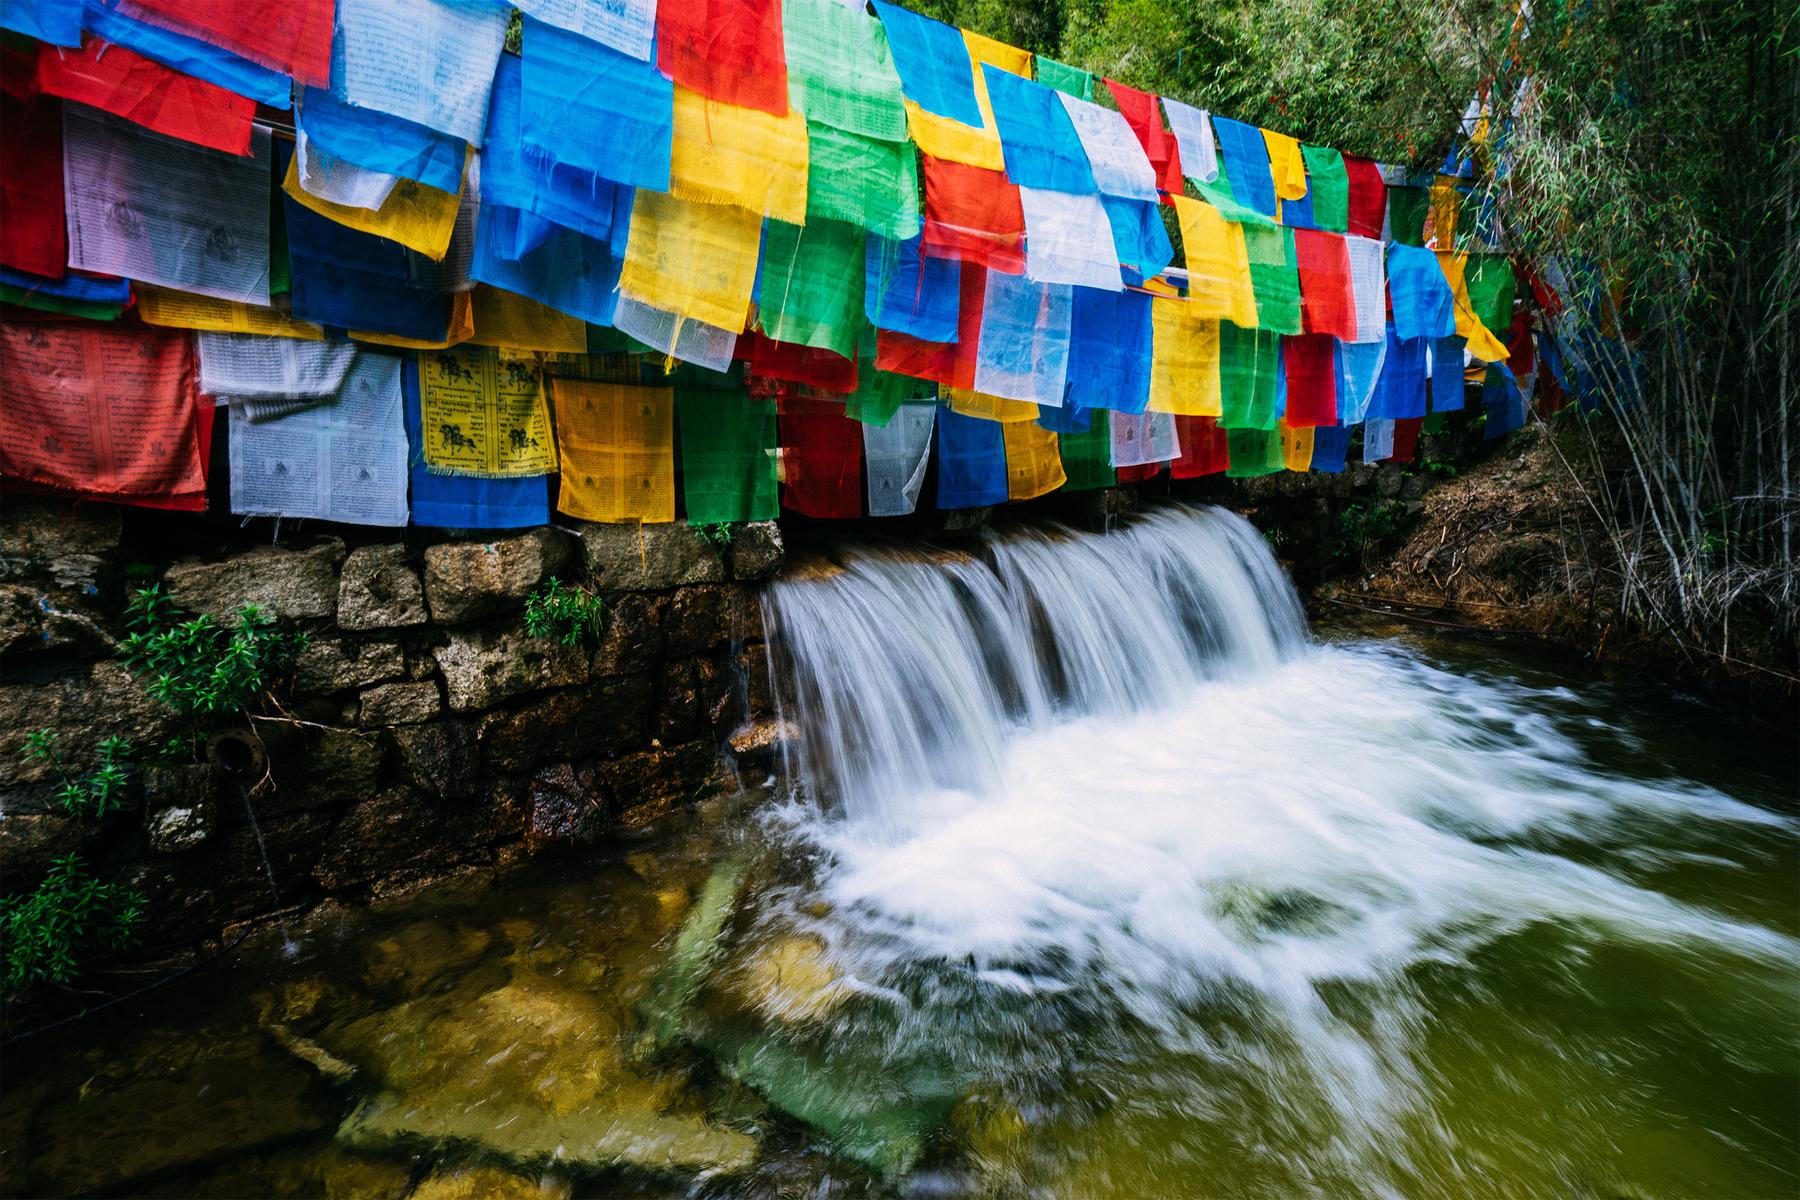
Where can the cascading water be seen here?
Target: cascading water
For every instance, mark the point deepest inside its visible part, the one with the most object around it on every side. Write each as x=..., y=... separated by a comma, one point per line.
x=1209, y=908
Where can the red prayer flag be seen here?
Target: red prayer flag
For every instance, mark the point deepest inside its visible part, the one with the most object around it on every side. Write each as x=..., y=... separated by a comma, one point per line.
x=1142, y=473
x=1144, y=115
x=1521, y=347
x=821, y=459
x=1204, y=448
x=1406, y=439
x=973, y=214
x=949, y=363
x=1368, y=196
x=1327, y=303
x=290, y=36
x=1311, y=380
x=808, y=365
x=147, y=93
x=100, y=410
x=730, y=50
x=33, y=236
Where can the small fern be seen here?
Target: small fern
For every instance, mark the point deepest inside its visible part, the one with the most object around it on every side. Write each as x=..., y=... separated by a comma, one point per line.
x=200, y=666
x=45, y=935
x=95, y=794
x=564, y=612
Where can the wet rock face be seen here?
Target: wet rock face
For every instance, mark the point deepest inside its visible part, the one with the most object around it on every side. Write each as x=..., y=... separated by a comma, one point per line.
x=756, y=551
x=467, y=580
x=567, y=808
x=301, y=584
x=330, y=665
x=399, y=704
x=482, y=667
x=624, y=558
x=380, y=590
x=65, y=544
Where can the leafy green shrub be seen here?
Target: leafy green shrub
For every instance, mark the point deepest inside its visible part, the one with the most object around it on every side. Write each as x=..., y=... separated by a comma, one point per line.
x=71, y=916
x=564, y=612
x=100, y=791
x=200, y=666
x=717, y=535
x=1360, y=525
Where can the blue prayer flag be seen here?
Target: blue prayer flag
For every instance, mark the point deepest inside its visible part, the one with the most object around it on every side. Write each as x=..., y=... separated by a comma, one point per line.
x=1331, y=444
x=558, y=267
x=1139, y=236
x=1358, y=367
x=57, y=22
x=933, y=62
x=462, y=501
x=1447, y=374
x=573, y=198
x=1109, y=351
x=590, y=107
x=1246, y=161
x=1037, y=138
x=1424, y=305
x=378, y=142
x=971, y=460
x=1400, y=390
x=190, y=56
x=84, y=288
x=906, y=292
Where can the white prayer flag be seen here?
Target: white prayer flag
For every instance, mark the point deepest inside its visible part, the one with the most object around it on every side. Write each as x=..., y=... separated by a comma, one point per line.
x=895, y=455
x=1068, y=239
x=1139, y=438
x=1193, y=132
x=628, y=26
x=431, y=62
x=1117, y=158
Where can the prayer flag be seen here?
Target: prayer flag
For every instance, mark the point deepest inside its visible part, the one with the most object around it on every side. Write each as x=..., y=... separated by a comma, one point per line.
x=730, y=51
x=33, y=229
x=1368, y=287
x=560, y=268
x=1071, y=81
x=1246, y=164
x=55, y=22
x=181, y=310
x=1110, y=346
x=623, y=106
x=1024, y=341
x=1193, y=131
x=1447, y=385
x=126, y=84
x=1311, y=380
x=1139, y=240
x=1037, y=139
x=1358, y=369
x=905, y=291
x=1328, y=188
x=431, y=62
x=1400, y=390
x=728, y=469
x=1330, y=444
x=821, y=459
x=1068, y=239
x=616, y=452
x=841, y=70
x=1184, y=366
x=1254, y=452
x=1140, y=112
x=1296, y=447
x=1141, y=439
x=191, y=56
x=973, y=214
x=1218, y=263
x=1248, y=364
x=1087, y=457
x=514, y=177
x=1274, y=276
x=729, y=154
x=810, y=285
x=293, y=38
x=1424, y=305
x=896, y=453
x=1328, y=304
x=933, y=64
x=1205, y=449
x=1368, y=196
x=1115, y=157
x=692, y=260
x=389, y=145
x=1033, y=463
x=484, y=413
x=871, y=184
x=628, y=26
x=418, y=217
x=515, y=322
x=971, y=461
x=1286, y=166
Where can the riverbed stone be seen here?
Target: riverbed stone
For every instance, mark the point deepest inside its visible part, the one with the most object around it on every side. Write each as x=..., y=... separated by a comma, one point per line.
x=624, y=558
x=485, y=666
x=300, y=584
x=489, y=1183
x=756, y=550
x=330, y=665
x=442, y=758
x=400, y=704
x=606, y=717
x=467, y=580
x=379, y=589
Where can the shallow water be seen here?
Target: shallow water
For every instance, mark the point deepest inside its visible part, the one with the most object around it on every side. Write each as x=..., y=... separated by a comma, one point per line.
x=1091, y=875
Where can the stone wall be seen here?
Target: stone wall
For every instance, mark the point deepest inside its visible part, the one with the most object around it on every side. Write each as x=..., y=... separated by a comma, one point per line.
x=422, y=730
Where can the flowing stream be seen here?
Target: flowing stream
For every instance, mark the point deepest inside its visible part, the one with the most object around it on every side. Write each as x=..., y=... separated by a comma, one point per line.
x=1090, y=872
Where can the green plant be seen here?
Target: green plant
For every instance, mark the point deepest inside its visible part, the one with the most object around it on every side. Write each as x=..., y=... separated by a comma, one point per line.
x=564, y=612
x=94, y=795
x=45, y=934
x=200, y=666
x=1359, y=525
x=1434, y=467
x=718, y=535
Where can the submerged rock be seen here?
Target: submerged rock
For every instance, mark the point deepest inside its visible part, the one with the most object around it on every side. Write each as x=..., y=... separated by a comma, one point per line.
x=791, y=979
x=488, y=1183
x=697, y=948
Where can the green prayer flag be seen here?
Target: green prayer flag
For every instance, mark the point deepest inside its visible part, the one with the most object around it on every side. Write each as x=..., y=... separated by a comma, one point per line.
x=1087, y=457
x=93, y=310
x=809, y=286
x=727, y=456
x=1064, y=78
x=1249, y=363
x=1491, y=288
x=1435, y=422
x=1407, y=208
x=840, y=70
x=604, y=339
x=1254, y=452
x=870, y=184
x=1275, y=276
x=1329, y=186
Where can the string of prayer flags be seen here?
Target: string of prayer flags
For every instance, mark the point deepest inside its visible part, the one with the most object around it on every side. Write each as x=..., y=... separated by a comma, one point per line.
x=1037, y=139
x=128, y=85
x=729, y=154
x=1249, y=360
x=1287, y=168
x=1254, y=452
x=1327, y=301
x=1274, y=277
x=1368, y=196
x=1024, y=343
x=1358, y=370
x=202, y=227
x=1087, y=457
x=1205, y=448
x=1140, y=112
x=932, y=61
x=971, y=461
x=1033, y=463
x=616, y=452
x=389, y=145
x=1184, y=362
x=810, y=285
x=1070, y=81
x=906, y=291
x=1368, y=287
x=840, y=69
x=1483, y=343
x=292, y=38
x=1068, y=239
x=1218, y=263
x=873, y=185
x=692, y=260
x=1245, y=162
x=728, y=470
x=1193, y=133
x=821, y=459
x=54, y=22
x=1328, y=188
x=463, y=501
x=341, y=461
x=1141, y=439
x=623, y=106
x=895, y=456
x=105, y=411
x=1311, y=380
x=1447, y=374
x=1424, y=306
x=973, y=214
x=1110, y=346
x=33, y=230
x=628, y=26
x=563, y=269
x=1331, y=444
x=731, y=51
x=385, y=48
x=484, y=413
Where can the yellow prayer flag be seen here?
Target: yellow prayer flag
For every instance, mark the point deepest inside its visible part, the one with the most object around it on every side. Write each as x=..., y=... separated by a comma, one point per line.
x=517, y=322
x=1033, y=461
x=1445, y=207
x=1296, y=447
x=942, y=137
x=483, y=414
x=1286, y=164
x=1218, y=263
x=1184, y=360
x=418, y=217
x=694, y=260
x=618, y=451
x=184, y=310
x=1483, y=343
x=724, y=154
x=984, y=407
x=462, y=328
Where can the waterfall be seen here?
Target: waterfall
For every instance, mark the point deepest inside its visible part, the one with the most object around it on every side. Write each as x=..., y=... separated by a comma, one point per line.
x=905, y=666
